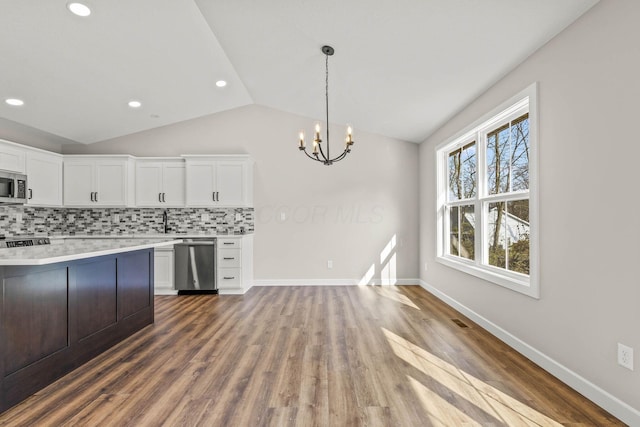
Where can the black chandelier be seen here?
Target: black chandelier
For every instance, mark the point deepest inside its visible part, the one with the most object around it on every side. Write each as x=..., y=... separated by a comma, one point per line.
x=318, y=153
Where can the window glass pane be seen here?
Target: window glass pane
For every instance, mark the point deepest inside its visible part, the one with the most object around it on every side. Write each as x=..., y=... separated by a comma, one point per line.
x=467, y=232
x=468, y=170
x=455, y=186
x=496, y=237
x=454, y=230
x=462, y=233
x=517, y=224
x=520, y=153
x=498, y=154
x=462, y=172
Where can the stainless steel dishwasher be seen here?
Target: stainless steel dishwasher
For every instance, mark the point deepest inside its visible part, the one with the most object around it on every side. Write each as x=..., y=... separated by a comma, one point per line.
x=195, y=266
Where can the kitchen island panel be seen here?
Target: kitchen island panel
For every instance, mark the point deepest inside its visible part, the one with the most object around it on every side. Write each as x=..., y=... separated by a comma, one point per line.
x=135, y=283
x=96, y=288
x=35, y=317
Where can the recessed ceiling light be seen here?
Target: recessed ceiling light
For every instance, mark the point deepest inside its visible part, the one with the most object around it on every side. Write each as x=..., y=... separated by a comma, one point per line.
x=135, y=104
x=79, y=9
x=14, y=102
x=221, y=83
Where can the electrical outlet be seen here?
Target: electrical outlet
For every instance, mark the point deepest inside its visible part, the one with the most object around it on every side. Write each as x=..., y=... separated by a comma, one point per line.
x=134, y=217
x=238, y=217
x=204, y=217
x=329, y=264
x=425, y=266
x=116, y=218
x=283, y=216
x=18, y=218
x=625, y=356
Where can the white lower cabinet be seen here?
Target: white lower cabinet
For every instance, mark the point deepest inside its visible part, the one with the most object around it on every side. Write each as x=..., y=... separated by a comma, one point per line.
x=163, y=271
x=234, y=264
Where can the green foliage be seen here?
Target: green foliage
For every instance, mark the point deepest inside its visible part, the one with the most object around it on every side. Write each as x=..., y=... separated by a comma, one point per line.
x=518, y=256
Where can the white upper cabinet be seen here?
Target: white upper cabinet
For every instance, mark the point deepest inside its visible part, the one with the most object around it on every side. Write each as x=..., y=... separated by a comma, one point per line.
x=160, y=183
x=95, y=181
x=44, y=178
x=12, y=157
x=219, y=181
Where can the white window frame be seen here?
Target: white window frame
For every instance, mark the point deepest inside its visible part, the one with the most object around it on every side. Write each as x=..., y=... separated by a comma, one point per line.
x=512, y=108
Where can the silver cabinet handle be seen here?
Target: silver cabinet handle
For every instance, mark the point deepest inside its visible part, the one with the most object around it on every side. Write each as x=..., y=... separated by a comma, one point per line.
x=160, y=197
x=229, y=258
x=92, y=197
x=228, y=277
x=163, y=200
x=96, y=196
x=228, y=243
x=30, y=194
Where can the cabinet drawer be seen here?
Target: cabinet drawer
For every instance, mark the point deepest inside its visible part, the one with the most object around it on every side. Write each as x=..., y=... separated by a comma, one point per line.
x=229, y=278
x=229, y=243
x=228, y=258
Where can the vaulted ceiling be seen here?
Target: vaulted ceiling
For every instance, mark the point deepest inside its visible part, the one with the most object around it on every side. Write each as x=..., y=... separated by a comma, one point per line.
x=401, y=67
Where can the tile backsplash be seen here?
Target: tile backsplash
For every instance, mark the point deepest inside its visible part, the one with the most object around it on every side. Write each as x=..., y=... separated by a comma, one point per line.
x=24, y=220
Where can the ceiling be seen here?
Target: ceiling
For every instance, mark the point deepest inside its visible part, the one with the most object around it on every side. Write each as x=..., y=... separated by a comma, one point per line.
x=401, y=67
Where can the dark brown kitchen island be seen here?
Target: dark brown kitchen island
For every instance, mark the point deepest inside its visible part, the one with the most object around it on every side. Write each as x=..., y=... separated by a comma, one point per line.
x=58, y=315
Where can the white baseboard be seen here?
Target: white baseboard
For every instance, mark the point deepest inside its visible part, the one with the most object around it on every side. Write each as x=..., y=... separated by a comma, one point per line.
x=232, y=291
x=165, y=292
x=334, y=282
x=607, y=401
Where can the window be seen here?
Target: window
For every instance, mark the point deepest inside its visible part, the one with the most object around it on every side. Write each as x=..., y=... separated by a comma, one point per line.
x=487, y=224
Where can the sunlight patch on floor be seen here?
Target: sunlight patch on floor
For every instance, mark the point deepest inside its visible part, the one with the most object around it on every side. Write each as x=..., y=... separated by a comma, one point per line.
x=488, y=399
x=441, y=413
x=393, y=294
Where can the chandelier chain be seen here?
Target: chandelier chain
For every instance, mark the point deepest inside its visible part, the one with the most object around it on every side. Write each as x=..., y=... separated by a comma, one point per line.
x=326, y=95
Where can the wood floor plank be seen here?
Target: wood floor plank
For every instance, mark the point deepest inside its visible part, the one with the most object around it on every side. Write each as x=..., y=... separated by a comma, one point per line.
x=308, y=356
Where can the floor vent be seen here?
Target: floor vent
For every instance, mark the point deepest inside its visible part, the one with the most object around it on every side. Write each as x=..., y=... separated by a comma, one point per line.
x=460, y=323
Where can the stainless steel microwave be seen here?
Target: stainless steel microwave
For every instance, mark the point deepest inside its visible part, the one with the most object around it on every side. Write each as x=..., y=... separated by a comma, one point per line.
x=13, y=188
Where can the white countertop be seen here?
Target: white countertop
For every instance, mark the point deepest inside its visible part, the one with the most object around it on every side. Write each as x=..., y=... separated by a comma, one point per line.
x=148, y=236
x=77, y=248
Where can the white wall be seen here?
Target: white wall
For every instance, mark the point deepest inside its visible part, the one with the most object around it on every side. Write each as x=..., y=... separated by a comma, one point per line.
x=26, y=135
x=348, y=212
x=589, y=94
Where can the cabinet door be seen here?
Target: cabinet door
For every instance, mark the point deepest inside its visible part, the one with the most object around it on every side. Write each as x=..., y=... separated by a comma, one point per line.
x=111, y=183
x=229, y=279
x=78, y=182
x=200, y=184
x=44, y=175
x=173, y=184
x=148, y=184
x=163, y=271
x=231, y=183
x=12, y=158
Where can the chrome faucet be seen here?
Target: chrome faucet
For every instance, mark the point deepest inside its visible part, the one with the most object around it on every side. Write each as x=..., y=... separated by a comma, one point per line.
x=165, y=221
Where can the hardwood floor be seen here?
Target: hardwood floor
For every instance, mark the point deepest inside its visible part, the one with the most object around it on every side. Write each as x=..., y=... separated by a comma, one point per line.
x=308, y=356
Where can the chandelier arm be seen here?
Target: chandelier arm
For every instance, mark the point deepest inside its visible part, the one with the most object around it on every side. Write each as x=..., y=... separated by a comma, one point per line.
x=342, y=156
x=310, y=156
x=325, y=157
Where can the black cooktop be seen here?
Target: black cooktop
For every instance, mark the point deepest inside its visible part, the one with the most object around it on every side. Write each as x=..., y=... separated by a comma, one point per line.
x=20, y=242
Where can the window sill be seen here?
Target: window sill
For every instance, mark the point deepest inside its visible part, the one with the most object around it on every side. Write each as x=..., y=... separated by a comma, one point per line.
x=523, y=286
